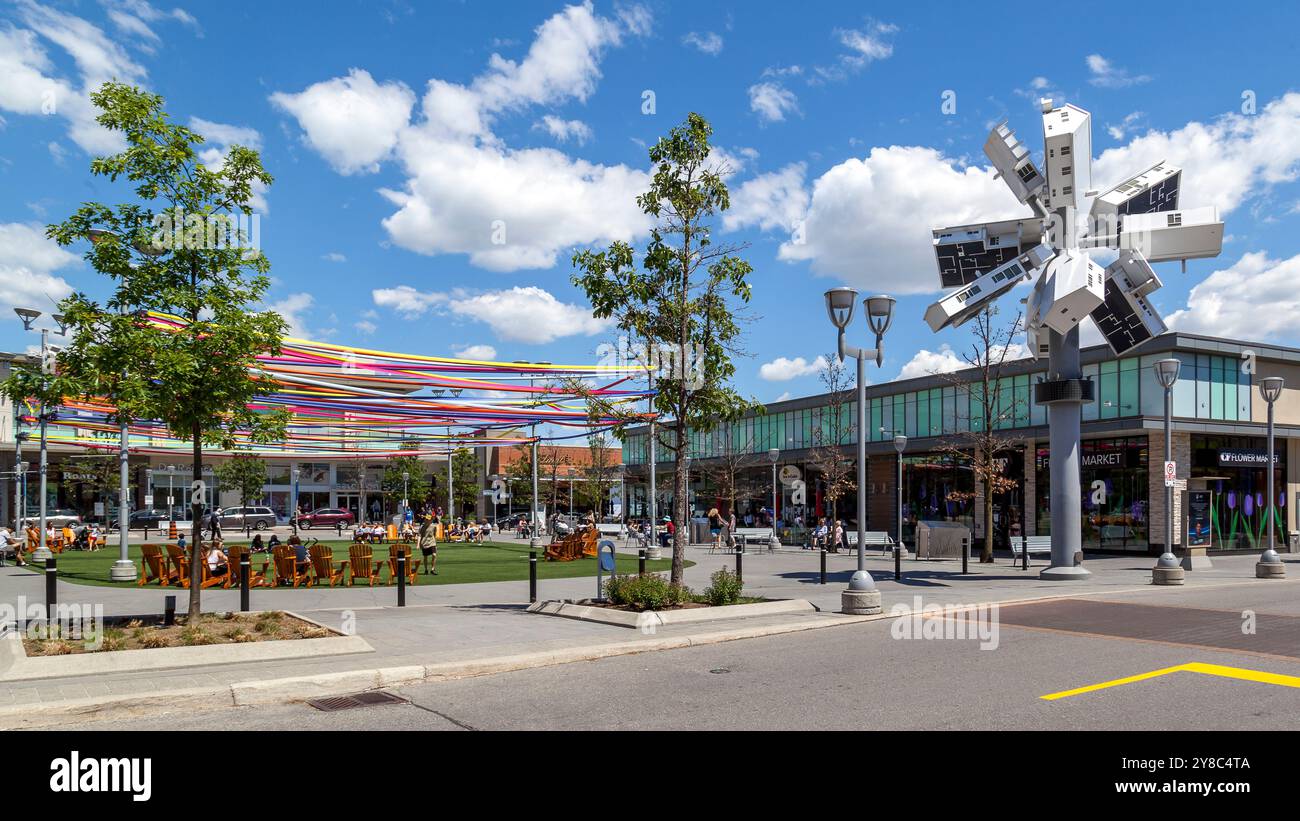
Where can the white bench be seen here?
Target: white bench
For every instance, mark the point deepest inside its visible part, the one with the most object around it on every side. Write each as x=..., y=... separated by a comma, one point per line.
x=756, y=535
x=872, y=538
x=1032, y=544
x=611, y=530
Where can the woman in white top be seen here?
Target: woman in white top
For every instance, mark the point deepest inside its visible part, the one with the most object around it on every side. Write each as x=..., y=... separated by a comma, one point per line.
x=217, y=560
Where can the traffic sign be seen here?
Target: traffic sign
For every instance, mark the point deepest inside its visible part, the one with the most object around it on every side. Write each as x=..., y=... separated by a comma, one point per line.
x=1171, y=473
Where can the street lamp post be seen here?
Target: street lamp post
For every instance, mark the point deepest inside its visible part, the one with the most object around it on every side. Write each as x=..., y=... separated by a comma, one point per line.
x=1270, y=564
x=406, y=476
x=171, y=501
x=1167, y=570
x=900, y=552
x=861, y=597
x=293, y=503
x=20, y=484
x=29, y=316
x=774, y=455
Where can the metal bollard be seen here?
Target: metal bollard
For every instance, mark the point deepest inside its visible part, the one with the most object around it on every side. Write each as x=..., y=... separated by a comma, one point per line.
x=532, y=576
x=401, y=578
x=338, y=526
x=51, y=594
x=1024, y=551
x=823, y=550
x=965, y=554
x=169, y=611
x=245, y=567
x=640, y=562
x=898, y=564
x=740, y=572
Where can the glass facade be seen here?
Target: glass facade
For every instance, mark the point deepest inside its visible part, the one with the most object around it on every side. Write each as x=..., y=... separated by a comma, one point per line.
x=1113, y=479
x=937, y=487
x=1238, y=515
x=1211, y=387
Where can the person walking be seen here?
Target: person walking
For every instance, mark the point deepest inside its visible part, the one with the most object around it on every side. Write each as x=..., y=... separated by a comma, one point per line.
x=428, y=542
x=715, y=527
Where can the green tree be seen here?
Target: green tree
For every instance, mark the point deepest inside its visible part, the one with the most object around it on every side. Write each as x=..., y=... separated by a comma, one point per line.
x=597, y=474
x=466, y=489
x=416, y=485
x=683, y=299
x=198, y=376
x=519, y=477
x=246, y=474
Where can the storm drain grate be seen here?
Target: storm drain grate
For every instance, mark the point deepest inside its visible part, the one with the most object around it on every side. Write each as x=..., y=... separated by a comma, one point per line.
x=335, y=703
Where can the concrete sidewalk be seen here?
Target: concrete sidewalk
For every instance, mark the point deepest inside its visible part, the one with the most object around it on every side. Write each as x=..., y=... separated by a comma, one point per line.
x=450, y=631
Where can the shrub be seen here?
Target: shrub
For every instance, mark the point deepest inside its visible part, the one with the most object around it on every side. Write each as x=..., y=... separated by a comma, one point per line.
x=193, y=636
x=152, y=641
x=648, y=592
x=724, y=589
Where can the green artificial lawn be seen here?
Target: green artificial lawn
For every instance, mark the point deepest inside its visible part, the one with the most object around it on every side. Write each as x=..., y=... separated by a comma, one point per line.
x=457, y=564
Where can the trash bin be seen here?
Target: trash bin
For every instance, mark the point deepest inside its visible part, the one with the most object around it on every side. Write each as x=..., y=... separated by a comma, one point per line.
x=700, y=531
x=940, y=540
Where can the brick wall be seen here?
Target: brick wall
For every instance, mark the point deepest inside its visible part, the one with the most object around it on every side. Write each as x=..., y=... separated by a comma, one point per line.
x=1156, y=483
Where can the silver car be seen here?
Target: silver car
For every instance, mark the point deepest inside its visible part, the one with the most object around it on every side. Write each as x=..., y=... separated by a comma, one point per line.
x=257, y=518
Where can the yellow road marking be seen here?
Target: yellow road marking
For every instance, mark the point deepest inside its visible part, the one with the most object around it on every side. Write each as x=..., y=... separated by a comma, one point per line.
x=1192, y=667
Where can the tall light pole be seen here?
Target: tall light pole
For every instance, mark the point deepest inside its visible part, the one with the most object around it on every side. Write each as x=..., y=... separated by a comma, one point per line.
x=1270, y=564
x=293, y=502
x=900, y=552
x=861, y=597
x=652, y=551
x=774, y=456
x=1167, y=570
x=171, y=502
x=29, y=316
x=20, y=482
x=406, y=477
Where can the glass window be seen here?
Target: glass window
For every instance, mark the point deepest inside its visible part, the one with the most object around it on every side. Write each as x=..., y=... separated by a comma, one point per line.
x=1184, y=388
x=1128, y=387
x=1091, y=409
x=1202, y=380
x=1108, y=390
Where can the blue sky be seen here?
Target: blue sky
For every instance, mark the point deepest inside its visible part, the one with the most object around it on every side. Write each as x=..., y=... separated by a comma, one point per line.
x=406, y=137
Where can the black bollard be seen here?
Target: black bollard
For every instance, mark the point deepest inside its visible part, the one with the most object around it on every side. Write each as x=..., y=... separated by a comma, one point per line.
x=245, y=567
x=51, y=595
x=401, y=578
x=338, y=526
x=740, y=555
x=640, y=562
x=965, y=555
x=898, y=563
x=823, y=551
x=532, y=576
x=1024, y=552
x=169, y=611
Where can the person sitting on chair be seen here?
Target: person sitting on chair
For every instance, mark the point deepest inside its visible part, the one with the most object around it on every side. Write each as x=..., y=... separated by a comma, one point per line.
x=218, y=562
x=257, y=546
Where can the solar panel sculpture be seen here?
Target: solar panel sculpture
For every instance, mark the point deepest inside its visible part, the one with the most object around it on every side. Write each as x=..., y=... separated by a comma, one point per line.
x=1138, y=219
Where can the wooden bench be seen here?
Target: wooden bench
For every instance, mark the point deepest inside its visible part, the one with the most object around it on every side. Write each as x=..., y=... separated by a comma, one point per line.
x=1032, y=544
x=872, y=538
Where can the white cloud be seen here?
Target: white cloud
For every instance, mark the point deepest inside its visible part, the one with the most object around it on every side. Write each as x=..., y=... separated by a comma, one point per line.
x=1224, y=162
x=467, y=192
x=365, y=326
x=866, y=45
x=27, y=264
x=869, y=220
x=774, y=202
x=293, y=308
x=528, y=314
x=772, y=101
x=783, y=397
x=1119, y=130
x=1108, y=75
x=707, y=42
x=520, y=314
x=1254, y=299
x=783, y=369
x=946, y=360
x=334, y=256
x=218, y=139
x=352, y=121
x=564, y=130
x=485, y=353
x=408, y=302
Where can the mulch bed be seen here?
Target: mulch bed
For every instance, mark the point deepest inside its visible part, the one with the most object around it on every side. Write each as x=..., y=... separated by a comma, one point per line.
x=148, y=632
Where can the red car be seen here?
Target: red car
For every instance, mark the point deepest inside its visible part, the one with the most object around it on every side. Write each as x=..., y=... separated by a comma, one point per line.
x=326, y=517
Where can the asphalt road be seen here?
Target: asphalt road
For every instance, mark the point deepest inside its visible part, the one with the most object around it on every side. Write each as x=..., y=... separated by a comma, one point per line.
x=853, y=677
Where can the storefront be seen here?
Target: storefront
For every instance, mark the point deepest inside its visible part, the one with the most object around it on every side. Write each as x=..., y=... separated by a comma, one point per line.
x=937, y=487
x=1113, y=474
x=1235, y=470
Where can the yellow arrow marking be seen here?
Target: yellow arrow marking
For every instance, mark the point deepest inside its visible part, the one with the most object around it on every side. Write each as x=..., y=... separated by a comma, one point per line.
x=1192, y=667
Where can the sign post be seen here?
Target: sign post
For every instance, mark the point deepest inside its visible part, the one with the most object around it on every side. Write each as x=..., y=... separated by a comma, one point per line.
x=1171, y=473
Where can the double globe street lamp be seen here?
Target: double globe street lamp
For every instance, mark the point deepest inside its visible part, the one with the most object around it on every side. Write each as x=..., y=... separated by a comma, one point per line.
x=1270, y=564
x=861, y=597
x=1167, y=570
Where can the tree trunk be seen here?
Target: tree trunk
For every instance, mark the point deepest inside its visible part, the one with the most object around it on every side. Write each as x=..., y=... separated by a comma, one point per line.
x=681, y=523
x=986, y=555
x=196, y=546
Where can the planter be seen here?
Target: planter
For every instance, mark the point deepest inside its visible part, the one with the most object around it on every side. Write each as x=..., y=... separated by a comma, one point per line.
x=649, y=619
x=16, y=665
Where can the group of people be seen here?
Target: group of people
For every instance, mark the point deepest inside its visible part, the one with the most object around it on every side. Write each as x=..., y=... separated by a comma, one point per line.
x=827, y=535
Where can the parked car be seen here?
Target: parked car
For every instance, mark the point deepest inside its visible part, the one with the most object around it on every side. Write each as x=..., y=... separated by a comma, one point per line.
x=326, y=517
x=258, y=518
x=59, y=517
x=146, y=518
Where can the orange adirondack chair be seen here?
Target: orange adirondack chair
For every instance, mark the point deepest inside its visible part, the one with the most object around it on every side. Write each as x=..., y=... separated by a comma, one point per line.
x=153, y=566
x=287, y=570
x=256, y=578
x=412, y=566
x=322, y=561
x=363, y=566
x=180, y=561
